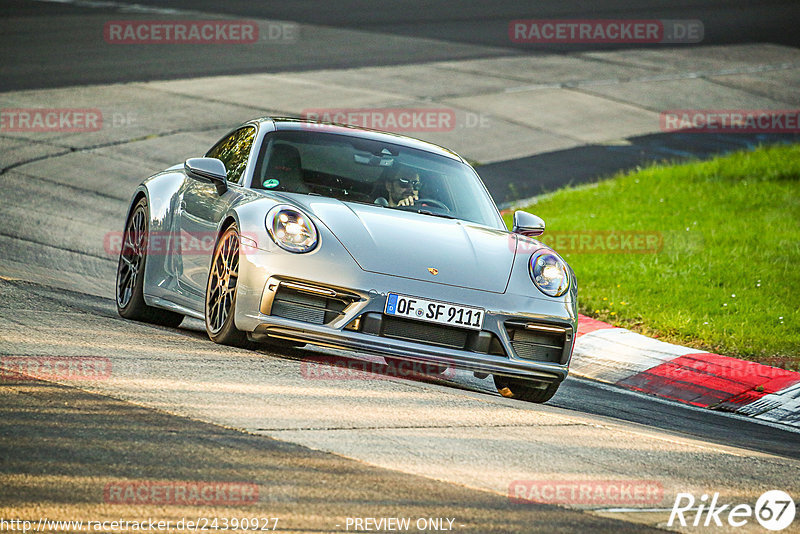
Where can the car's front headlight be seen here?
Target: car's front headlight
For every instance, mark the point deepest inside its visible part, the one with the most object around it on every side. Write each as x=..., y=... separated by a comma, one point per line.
x=549, y=273
x=291, y=229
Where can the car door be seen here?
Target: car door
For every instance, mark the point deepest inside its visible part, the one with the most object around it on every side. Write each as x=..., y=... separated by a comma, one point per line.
x=200, y=210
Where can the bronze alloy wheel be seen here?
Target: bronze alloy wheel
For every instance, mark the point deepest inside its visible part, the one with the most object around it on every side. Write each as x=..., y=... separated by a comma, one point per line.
x=221, y=291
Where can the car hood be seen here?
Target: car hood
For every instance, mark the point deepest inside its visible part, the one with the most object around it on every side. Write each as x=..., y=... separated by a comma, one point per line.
x=411, y=245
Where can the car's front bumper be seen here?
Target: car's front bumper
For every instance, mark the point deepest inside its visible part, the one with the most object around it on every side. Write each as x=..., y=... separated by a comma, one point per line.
x=348, y=331
x=473, y=361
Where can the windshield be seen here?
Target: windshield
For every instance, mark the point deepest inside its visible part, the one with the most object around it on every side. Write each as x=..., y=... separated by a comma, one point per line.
x=352, y=169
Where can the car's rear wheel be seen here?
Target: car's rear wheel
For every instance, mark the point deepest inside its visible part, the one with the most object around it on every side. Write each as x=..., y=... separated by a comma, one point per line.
x=527, y=390
x=220, y=305
x=130, y=272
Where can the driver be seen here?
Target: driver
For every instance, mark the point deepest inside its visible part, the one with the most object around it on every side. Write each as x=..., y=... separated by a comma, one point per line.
x=399, y=188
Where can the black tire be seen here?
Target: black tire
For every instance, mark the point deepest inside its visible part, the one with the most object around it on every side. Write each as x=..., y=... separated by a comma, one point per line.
x=220, y=302
x=526, y=390
x=130, y=272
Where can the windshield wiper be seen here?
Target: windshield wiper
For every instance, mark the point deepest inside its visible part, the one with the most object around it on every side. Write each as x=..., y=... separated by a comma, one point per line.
x=366, y=202
x=405, y=208
x=442, y=215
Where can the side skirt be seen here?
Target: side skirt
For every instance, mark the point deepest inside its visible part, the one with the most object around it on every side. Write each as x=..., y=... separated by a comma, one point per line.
x=168, y=305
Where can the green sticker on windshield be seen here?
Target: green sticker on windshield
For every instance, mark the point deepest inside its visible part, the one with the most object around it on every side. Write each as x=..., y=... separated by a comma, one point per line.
x=272, y=182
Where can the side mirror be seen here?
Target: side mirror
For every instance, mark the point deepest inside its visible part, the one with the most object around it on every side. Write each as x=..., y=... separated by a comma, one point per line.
x=527, y=224
x=209, y=169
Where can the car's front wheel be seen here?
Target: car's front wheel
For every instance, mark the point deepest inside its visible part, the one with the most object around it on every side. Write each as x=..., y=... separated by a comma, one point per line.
x=220, y=303
x=527, y=390
x=130, y=272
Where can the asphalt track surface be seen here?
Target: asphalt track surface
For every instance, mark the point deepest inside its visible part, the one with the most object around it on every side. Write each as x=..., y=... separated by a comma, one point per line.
x=60, y=444
x=54, y=44
x=306, y=490
x=46, y=44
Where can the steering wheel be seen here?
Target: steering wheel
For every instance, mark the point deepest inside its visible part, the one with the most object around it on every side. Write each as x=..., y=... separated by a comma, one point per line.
x=423, y=202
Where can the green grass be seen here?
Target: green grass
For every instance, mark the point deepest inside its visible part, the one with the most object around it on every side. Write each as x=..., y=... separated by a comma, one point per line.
x=728, y=226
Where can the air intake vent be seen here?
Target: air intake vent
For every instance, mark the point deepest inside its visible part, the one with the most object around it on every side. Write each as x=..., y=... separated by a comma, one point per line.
x=538, y=343
x=290, y=303
x=425, y=333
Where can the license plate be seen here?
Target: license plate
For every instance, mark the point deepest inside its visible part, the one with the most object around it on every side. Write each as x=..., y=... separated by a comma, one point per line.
x=433, y=311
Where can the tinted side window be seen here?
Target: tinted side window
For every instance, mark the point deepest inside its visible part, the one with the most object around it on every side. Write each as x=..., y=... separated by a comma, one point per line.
x=233, y=151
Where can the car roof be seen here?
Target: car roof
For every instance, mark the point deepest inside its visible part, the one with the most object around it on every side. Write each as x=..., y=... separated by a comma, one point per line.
x=292, y=124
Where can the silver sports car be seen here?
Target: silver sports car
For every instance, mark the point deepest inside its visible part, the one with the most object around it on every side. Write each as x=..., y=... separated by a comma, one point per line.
x=294, y=232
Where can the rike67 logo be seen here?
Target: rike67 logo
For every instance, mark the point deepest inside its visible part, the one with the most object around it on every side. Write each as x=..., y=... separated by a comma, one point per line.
x=774, y=510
